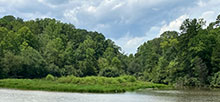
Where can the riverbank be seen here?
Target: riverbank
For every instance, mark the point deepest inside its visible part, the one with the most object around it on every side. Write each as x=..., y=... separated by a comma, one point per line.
x=75, y=84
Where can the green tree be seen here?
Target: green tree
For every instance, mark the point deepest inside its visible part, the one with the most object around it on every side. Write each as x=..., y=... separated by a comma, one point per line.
x=54, y=55
x=3, y=35
x=33, y=64
x=85, y=55
x=11, y=65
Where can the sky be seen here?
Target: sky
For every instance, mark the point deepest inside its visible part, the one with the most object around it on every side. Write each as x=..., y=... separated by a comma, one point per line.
x=129, y=23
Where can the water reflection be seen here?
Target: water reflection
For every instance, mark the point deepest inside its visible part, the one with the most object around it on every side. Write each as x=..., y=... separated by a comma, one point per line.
x=189, y=95
x=148, y=95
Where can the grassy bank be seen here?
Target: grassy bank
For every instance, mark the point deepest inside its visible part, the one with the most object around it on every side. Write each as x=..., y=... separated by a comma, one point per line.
x=76, y=84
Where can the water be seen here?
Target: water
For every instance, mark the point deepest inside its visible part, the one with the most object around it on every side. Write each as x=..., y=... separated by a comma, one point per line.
x=8, y=95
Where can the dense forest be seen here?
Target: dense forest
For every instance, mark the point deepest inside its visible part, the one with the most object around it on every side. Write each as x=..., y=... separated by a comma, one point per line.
x=36, y=48
x=189, y=58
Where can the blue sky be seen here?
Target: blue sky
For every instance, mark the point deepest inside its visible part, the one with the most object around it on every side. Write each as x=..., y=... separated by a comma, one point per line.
x=129, y=23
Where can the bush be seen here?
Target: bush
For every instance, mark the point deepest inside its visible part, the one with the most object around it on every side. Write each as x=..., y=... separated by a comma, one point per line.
x=193, y=82
x=216, y=80
x=187, y=81
x=121, y=80
x=50, y=77
x=75, y=80
x=67, y=79
x=109, y=72
x=129, y=78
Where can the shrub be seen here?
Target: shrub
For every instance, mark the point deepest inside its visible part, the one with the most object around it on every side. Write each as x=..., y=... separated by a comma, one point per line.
x=121, y=80
x=75, y=80
x=67, y=79
x=109, y=72
x=129, y=78
x=216, y=80
x=50, y=77
x=193, y=82
x=132, y=79
x=100, y=80
x=91, y=80
x=187, y=81
x=114, y=81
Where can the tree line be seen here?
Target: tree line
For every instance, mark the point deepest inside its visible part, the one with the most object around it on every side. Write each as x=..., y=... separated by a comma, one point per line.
x=36, y=48
x=188, y=58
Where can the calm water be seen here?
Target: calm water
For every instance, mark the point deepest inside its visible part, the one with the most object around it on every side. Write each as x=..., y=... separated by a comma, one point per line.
x=7, y=95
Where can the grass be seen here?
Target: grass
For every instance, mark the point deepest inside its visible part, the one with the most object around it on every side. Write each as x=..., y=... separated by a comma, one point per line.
x=75, y=84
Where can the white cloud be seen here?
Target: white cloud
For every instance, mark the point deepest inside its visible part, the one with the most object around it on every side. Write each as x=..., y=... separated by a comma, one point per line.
x=126, y=10
x=117, y=6
x=53, y=3
x=173, y=25
x=155, y=9
x=209, y=16
x=91, y=9
x=2, y=10
x=129, y=43
x=200, y=3
x=19, y=2
x=35, y=15
x=100, y=27
x=71, y=15
x=207, y=9
x=47, y=4
x=116, y=17
x=202, y=9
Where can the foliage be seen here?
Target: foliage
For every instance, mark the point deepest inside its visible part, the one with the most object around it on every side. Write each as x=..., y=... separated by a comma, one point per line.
x=189, y=58
x=78, y=84
x=36, y=48
x=50, y=77
x=109, y=72
x=216, y=80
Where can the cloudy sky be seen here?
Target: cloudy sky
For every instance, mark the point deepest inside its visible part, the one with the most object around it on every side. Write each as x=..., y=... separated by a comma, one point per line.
x=127, y=22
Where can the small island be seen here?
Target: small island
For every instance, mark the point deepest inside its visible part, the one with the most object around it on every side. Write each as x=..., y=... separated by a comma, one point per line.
x=91, y=84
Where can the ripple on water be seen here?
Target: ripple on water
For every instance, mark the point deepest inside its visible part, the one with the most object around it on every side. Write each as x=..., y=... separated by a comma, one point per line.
x=8, y=95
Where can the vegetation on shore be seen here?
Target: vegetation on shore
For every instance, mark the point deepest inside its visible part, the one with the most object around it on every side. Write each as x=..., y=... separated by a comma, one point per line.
x=35, y=48
x=91, y=84
x=190, y=57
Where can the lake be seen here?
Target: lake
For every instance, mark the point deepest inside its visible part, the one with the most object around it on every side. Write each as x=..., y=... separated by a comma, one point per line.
x=148, y=95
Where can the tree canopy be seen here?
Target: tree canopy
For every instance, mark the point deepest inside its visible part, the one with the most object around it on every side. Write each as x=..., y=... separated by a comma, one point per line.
x=187, y=58
x=36, y=48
